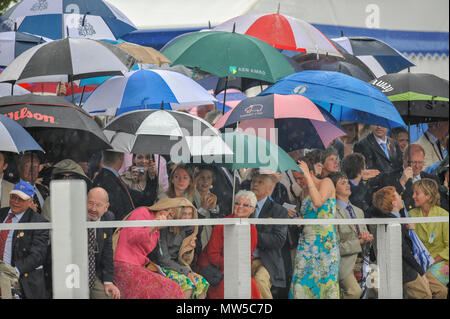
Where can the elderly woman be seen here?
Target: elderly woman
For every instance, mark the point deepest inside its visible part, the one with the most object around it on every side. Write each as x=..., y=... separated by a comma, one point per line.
x=176, y=252
x=387, y=203
x=244, y=207
x=433, y=235
x=131, y=276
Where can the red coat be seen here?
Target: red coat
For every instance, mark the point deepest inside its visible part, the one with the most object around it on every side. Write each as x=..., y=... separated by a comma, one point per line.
x=213, y=253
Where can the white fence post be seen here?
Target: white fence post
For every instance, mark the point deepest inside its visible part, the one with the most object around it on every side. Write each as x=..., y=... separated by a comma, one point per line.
x=69, y=239
x=237, y=257
x=389, y=259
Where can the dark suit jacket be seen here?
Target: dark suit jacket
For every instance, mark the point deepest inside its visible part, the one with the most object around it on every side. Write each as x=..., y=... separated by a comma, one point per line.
x=410, y=267
x=375, y=156
x=104, y=263
x=360, y=196
x=271, y=239
x=120, y=203
x=29, y=250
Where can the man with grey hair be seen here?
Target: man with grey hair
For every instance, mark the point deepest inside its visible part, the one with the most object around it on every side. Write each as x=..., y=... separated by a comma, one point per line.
x=268, y=267
x=101, y=263
x=432, y=142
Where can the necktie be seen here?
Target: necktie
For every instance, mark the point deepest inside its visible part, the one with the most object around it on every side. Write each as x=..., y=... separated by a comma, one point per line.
x=257, y=211
x=353, y=216
x=4, y=235
x=91, y=250
x=438, y=144
x=384, y=147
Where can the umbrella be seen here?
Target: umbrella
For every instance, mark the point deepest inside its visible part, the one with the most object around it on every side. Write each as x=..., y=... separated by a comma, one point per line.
x=233, y=98
x=67, y=60
x=379, y=56
x=168, y=133
x=57, y=125
x=419, y=97
x=6, y=89
x=297, y=121
x=346, y=98
x=145, y=89
x=12, y=44
x=14, y=138
x=142, y=54
x=56, y=19
x=281, y=32
x=349, y=65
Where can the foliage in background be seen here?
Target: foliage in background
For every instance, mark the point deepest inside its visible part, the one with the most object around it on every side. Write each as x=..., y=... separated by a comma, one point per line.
x=4, y=4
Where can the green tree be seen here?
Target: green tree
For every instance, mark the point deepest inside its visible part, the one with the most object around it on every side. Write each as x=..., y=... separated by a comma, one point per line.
x=4, y=4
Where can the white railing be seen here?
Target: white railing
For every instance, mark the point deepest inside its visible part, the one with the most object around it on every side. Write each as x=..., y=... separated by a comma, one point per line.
x=70, y=256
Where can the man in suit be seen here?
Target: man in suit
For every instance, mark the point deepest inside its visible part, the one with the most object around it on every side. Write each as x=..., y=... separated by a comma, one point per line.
x=28, y=171
x=97, y=209
x=5, y=186
x=108, y=178
x=380, y=151
x=403, y=178
x=268, y=267
x=432, y=142
x=25, y=250
x=352, y=239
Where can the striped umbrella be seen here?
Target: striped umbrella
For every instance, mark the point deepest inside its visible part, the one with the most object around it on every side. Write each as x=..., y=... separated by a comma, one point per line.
x=282, y=32
x=146, y=89
x=67, y=60
x=169, y=133
x=14, y=138
x=379, y=56
x=56, y=19
x=12, y=44
x=6, y=89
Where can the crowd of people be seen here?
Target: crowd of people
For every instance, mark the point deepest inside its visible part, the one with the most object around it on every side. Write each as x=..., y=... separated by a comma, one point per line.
x=365, y=174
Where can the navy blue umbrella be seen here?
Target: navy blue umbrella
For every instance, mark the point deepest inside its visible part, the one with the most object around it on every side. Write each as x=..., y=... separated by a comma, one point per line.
x=346, y=98
x=14, y=138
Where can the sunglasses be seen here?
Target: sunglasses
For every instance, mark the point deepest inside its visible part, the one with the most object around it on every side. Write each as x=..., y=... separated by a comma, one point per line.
x=243, y=205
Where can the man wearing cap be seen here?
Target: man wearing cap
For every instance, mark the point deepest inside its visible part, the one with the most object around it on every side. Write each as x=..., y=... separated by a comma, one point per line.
x=25, y=250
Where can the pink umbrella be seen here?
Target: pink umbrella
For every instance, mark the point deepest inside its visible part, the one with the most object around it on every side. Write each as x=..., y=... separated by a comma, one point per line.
x=282, y=32
x=291, y=121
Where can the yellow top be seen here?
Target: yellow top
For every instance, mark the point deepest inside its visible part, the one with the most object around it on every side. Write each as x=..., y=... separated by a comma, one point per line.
x=436, y=244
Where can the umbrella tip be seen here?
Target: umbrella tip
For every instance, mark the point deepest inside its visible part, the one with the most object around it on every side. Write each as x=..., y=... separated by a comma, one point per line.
x=162, y=105
x=234, y=27
x=209, y=24
x=342, y=33
x=278, y=10
x=15, y=26
x=67, y=31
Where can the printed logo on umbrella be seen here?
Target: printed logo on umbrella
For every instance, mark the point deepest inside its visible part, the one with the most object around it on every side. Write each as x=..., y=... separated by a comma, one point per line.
x=301, y=89
x=233, y=69
x=253, y=109
x=384, y=86
x=24, y=113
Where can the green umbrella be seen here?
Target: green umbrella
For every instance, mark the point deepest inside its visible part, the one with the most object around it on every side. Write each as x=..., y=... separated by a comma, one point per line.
x=227, y=54
x=251, y=151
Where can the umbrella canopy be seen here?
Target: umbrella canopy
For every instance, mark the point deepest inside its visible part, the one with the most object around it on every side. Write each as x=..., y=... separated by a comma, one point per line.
x=419, y=97
x=282, y=32
x=12, y=44
x=233, y=98
x=379, y=56
x=14, y=138
x=250, y=151
x=145, y=89
x=346, y=98
x=6, y=89
x=349, y=65
x=56, y=19
x=67, y=60
x=229, y=54
x=57, y=125
x=169, y=133
x=291, y=121
x=142, y=54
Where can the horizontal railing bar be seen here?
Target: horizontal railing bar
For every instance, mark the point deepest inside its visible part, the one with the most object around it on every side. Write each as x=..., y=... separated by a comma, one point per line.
x=233, y=221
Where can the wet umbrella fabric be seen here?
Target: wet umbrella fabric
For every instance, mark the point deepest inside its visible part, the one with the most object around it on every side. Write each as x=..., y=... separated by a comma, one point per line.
x=57, y=125
x=346, y=98
x=419, y=97
x=95, y=19
x=14, y=138
x=67, y=60
x=13, y=44
x=6, y=89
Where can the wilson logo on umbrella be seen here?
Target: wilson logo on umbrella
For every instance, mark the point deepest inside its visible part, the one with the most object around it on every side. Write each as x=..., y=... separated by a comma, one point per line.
x=24, y=113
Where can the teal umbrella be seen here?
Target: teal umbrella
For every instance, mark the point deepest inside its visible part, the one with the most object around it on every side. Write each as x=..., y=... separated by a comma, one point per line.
x=251, y=151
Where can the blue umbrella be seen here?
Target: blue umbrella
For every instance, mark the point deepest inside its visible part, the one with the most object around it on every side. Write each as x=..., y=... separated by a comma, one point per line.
x=346, y=98
x=14, y=138
x=94, y=19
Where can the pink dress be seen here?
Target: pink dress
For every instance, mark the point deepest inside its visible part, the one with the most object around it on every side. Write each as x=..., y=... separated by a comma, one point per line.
x=130, y=276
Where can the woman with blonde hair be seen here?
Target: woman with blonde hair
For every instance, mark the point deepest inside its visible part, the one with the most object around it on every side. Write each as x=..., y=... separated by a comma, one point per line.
x=434, y=236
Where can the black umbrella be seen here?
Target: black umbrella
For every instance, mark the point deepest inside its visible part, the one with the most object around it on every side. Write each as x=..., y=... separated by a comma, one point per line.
x=62, y=129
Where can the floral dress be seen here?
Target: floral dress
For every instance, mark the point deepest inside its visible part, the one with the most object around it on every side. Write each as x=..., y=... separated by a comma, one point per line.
x=316, y=268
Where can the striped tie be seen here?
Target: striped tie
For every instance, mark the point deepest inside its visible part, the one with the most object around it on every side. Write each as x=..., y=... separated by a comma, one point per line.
x=4, y=236
x=91, y=249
